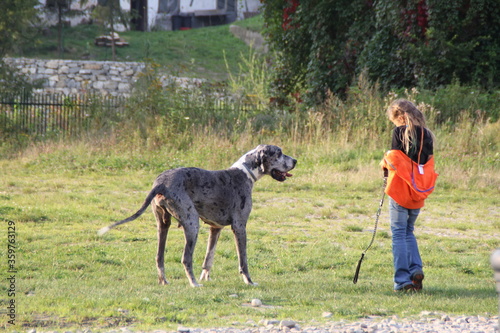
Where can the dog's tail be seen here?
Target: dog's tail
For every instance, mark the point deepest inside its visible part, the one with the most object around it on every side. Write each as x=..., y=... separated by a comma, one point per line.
x=159, y=189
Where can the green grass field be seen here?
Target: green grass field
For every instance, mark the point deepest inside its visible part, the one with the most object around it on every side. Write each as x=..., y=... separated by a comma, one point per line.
x=195, y=53
x=305, y=238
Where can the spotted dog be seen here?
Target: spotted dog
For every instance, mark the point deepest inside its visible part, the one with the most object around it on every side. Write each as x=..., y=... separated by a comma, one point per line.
x=219, y=198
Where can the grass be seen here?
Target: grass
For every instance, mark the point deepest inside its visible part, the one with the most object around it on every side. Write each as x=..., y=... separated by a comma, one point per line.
x=194, y=53
x=305, y=237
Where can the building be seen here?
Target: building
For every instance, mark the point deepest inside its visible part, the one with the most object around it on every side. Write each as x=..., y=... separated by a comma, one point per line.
x=163, y=14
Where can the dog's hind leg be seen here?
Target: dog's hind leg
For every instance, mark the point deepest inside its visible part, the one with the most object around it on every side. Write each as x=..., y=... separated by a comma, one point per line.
x=240, y=236
x=209, y=257
x=163, y=221
x=191, y=227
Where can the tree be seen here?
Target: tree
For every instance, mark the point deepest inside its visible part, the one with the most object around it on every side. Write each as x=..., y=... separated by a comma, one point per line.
x=430, y=43
x=62, y=8
x=323, y=45
x=316, y=42
x=110, y=14
x=17, y=20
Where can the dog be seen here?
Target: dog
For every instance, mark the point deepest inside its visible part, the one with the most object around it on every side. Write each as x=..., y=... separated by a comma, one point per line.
x=219, y=198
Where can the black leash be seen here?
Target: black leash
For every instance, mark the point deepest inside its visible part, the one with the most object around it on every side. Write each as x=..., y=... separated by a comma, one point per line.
x=356, y=275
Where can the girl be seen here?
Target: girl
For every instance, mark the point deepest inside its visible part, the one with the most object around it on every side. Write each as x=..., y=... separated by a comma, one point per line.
x=411, y=179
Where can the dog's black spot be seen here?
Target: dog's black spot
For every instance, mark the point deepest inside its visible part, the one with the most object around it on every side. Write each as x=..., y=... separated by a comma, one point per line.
x=209, y=185
x=243, y=200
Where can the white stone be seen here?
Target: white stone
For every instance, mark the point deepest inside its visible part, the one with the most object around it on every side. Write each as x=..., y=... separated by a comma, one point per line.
x=125, y=87
x=128, y=72
x=63, y=70
x=53, y=64
x=98, y=85
x=256, y=302
x=287, y=323
x=110, y=85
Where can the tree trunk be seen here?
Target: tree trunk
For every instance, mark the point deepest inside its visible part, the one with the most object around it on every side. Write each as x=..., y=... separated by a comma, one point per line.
x=112, y=28
x=59, y=31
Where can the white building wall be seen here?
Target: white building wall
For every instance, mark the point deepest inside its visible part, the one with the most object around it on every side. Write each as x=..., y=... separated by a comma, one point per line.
x=187, y=6
x=152, y=11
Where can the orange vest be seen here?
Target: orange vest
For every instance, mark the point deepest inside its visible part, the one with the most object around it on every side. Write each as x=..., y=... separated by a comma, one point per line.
x=409, y=183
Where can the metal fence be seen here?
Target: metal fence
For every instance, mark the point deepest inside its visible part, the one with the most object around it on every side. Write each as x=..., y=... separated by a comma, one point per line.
x=53, y=114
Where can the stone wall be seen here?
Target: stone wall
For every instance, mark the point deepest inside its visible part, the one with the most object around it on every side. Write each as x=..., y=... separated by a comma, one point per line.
x=74, y=76
x=106, y=77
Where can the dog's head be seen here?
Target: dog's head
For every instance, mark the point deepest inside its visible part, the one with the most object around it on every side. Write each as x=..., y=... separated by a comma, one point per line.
x=270, y=160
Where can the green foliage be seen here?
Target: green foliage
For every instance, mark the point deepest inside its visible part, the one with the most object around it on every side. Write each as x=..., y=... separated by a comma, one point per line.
x=16, y=24
x=195, y=53
x=432, y=43
x=316, y=44
x=13, y=81
x=322, y=45
x=17, y=19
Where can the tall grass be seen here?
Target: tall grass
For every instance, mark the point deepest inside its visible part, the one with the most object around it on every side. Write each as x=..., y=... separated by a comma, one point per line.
x=175, y=116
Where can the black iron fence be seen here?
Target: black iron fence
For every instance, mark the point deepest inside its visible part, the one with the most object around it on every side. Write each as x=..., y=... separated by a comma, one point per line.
x=56, y=114
x=53, y=114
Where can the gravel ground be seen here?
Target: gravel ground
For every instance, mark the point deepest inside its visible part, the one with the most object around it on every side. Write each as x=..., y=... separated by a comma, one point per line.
x=426, y=322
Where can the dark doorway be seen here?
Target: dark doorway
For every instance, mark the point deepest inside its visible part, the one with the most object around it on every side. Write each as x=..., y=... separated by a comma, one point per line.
x=139, y=9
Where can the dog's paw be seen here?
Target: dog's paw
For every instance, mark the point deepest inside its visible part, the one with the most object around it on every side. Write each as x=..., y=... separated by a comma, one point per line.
x=205, y=275
x=249, y=281
x=162, y=281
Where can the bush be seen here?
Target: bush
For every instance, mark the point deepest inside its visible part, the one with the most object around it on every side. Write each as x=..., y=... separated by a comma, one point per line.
x=323, y=45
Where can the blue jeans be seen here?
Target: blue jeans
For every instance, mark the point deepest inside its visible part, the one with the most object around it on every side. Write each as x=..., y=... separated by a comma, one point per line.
x=407, y=261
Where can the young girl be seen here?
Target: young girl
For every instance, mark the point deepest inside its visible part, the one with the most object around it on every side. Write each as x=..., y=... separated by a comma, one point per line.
x=411, y=179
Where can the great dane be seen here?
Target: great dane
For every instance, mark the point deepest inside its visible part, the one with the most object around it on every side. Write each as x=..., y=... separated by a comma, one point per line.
x=219, y=198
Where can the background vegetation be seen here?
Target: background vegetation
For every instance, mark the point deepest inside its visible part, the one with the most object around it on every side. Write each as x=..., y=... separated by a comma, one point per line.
x=196, y=53
x=322, y=45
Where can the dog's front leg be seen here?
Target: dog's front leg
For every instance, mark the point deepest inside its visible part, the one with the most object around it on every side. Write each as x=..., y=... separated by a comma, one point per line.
x=191, y=235
x=209, y=256
x=240, y=236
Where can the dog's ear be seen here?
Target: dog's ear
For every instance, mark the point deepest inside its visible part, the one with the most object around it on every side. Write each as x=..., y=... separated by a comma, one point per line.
x=264, y=154
x=254, y=159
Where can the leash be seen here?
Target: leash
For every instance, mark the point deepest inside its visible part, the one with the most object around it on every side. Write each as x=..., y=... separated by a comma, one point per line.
x=356, y=274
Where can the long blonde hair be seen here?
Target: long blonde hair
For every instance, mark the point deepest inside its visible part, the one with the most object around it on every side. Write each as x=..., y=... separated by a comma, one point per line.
x=413, y=117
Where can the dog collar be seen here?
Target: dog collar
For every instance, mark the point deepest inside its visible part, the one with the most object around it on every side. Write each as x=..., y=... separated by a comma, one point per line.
x=250, y=172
